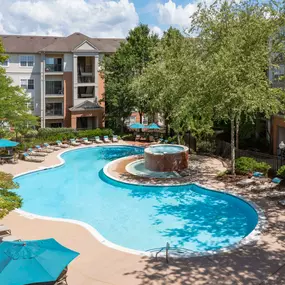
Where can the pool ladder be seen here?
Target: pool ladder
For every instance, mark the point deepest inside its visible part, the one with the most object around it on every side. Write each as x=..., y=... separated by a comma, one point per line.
x=166, y=252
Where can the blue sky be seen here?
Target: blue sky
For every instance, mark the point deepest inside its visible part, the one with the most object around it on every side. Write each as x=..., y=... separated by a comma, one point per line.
x=97, y=18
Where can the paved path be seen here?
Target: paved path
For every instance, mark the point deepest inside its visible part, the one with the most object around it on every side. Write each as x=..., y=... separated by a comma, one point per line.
x=261, y=263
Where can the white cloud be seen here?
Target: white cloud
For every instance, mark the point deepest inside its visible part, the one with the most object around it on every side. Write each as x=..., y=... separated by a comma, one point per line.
x=157, y=30
x=97, y=18
x=172, y=14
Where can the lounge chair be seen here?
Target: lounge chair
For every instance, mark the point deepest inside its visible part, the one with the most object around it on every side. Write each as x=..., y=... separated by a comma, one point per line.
x=97, y=140
x=86, y=141
x=36, y=153
x=62, y=145
x=27, y=157
x=4, y=231
x=106, y=139
x=9, y=238
x=40, y=149
x=53, y=147
x=74, y=143
x=115, y=139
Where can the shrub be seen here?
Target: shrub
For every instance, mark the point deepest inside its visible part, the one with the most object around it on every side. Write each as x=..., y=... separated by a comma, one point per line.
x=48, y=132
x=281, y=171
x=128, y=137
x=245, y=165
x=94, y=133
x=206, y=146
x=31, y=134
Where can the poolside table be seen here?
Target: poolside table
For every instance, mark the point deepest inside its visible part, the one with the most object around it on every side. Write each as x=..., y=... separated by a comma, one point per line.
x=6, y=158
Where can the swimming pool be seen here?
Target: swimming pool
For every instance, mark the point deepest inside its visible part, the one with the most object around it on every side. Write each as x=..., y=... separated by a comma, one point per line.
x=135, y=217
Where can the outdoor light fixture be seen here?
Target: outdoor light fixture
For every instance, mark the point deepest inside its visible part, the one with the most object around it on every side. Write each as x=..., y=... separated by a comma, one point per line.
x=282, y=145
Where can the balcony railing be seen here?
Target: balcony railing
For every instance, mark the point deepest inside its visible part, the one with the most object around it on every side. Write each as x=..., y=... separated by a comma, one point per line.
x=85, y=95
x=54, y=112
x=55, y=91
x=86, y=79
x=85, y=69
x=53, y=68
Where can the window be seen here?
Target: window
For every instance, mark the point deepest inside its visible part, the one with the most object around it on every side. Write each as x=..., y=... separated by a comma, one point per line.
x=133, y=120
x=5, y=63
x=27, y=60
x=278, y=73
x=86, y=92
x=54, y=87
x=145, y=120
x=54, y=109
x=27, y=84
x=56, y=125
x=53, y=64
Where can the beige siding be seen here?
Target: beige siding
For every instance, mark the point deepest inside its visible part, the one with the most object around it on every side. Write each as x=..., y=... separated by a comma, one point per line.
x=68, y=62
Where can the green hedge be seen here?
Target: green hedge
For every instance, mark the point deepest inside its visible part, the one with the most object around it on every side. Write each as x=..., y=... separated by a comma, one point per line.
x=49, y=132
x=244, y=165
x=94, y=133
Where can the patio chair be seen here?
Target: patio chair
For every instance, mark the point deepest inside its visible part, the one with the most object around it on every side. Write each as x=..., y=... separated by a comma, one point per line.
x=4, y=231
x=36, y=153
x=53, y=147
x=106, y=139
x=86, y=141
x=27, y=157
x=97, y=139
x=40, y=149
x=137, y=137
x=115, y=139
x=74, y=143
x=62, y=145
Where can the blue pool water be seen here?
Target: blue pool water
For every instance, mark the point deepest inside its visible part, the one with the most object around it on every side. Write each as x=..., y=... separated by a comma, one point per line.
x=165, y=148
x=136, y=217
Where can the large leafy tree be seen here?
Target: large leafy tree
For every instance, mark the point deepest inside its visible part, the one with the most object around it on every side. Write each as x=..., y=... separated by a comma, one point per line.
x=15, y=105
x=120, y=69
x=236, y=41
x=171, y=82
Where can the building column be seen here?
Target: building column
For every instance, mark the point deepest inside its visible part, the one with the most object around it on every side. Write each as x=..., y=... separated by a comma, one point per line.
x=75, y=79
x=73, y=122
x=43, y=91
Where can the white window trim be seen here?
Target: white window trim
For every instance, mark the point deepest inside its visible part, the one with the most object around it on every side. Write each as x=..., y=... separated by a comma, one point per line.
x=28, y=84
x=1, y=64
x=26, y=66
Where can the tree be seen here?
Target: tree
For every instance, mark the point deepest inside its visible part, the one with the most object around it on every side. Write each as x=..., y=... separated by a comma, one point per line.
x=119, y=71
x=171, y=82
x=234, y=42
x=8, y=199
x=15, y=105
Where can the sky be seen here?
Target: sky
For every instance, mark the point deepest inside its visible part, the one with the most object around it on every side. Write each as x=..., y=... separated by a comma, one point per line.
x=94, y=18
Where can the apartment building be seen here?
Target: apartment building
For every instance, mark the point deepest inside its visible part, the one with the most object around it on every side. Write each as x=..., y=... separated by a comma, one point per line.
x=61, y=75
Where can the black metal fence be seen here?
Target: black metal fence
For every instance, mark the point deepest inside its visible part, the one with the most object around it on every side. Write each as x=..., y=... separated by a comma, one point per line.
x=223, y=149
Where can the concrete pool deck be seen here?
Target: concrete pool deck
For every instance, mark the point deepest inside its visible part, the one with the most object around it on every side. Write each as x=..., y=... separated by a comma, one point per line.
x=260, y=263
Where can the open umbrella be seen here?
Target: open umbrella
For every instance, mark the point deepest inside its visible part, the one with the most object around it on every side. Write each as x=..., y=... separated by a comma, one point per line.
x=7, y=143
x=153, y=126
x=36, y=261
x=137, y=126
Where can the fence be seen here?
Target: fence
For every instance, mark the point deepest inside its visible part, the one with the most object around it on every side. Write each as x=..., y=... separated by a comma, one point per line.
x=224, y=149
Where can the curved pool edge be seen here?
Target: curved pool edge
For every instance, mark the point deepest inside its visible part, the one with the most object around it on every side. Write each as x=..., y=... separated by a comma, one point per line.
x=252, y=237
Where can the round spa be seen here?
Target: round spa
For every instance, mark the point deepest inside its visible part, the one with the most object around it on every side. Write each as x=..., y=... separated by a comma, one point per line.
x=166, y=158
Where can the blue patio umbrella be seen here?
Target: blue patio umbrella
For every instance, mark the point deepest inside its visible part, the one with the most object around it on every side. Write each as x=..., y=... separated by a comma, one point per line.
x=27, y=262
x=137, y=126
x=153, y=126
x=7, y=143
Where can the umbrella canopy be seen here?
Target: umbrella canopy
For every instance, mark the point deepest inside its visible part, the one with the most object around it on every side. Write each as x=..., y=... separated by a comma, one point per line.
x=137, y=126
x=37, y=261
x=153, y=126
x=7, y=143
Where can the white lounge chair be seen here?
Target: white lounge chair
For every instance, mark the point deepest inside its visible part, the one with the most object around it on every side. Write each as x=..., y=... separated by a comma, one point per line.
x=53, y=147
x=27, y=157
x=36, y=153
x=40, y=149
x=106, y=139
x=115, y=139
x=86, y=141
x=97, y=140
x=9, y=238
x=4, y=231
x=62, y=145
x=74, y=143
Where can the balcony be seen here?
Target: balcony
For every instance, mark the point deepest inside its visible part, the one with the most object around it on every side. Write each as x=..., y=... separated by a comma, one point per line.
x=86, y=79
x=86, y=92
x=54, y=88
x=53, y=68
x=54, y=110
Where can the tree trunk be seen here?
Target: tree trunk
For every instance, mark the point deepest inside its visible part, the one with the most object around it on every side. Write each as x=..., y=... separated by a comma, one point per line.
x=178, y=138
x=166, y=128
x=237, y=131
x=141, y=117
x=233, y=145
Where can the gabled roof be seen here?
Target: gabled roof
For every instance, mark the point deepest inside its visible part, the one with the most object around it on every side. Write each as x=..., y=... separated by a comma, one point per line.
x=86, y=105
x=34, y=44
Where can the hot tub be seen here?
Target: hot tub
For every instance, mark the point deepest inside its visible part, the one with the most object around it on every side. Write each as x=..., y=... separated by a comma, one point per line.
x=166, y=158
